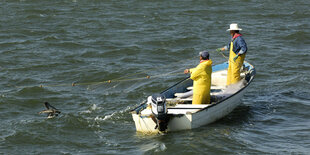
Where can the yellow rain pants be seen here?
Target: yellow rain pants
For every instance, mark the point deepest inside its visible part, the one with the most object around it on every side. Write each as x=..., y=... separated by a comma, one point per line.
x=201, y=75
x=233, y=72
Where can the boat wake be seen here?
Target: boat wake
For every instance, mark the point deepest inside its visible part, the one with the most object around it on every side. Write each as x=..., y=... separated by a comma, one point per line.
x=153, y=147
x=93, y=108
x=117, y=115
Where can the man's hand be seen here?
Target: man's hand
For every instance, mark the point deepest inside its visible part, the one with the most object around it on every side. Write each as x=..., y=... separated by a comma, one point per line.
x=186, y=71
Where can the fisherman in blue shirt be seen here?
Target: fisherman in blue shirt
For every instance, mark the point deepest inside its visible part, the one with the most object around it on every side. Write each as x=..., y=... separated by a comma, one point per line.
x=237, y=51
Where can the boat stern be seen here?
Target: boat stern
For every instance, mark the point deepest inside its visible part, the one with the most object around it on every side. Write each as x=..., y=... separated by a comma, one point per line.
x=145, y=123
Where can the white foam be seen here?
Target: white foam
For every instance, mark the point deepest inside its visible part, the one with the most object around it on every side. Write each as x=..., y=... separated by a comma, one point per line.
x=108, y=116
x=94, y=107
x=161, y=147
x=157, y=147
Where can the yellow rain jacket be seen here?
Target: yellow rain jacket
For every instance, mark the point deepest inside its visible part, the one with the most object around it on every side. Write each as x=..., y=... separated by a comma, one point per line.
x=201, y=75
x=233, y=72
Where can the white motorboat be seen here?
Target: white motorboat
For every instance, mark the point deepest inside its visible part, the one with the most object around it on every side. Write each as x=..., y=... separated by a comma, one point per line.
x=176, y=111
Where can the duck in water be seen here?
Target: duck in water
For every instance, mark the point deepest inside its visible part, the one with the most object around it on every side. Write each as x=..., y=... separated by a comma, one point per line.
x=50, y=110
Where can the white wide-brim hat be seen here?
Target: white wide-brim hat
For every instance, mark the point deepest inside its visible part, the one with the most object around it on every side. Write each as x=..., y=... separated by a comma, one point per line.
x=234, y=26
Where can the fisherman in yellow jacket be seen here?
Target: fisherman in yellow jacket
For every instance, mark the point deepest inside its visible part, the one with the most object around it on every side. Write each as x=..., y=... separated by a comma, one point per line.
x=237, y=51
x=201, y=75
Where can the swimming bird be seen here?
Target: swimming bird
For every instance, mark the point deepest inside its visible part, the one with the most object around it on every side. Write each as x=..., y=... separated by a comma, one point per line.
x=50, y=110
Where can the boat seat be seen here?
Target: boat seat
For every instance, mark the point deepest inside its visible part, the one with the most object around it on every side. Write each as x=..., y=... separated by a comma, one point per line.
x=186, y=108
x=184, y=95
x=190, y=88
x=215, y=97
x=178, y=94
x=180, y=99
x=181, y=95
x=212, y=87
x=215, y=89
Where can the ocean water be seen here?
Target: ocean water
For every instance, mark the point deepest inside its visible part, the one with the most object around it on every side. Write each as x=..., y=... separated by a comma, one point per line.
x=65, y=52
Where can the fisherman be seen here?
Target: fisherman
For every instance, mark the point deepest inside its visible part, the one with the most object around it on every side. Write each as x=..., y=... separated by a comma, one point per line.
x=201, y=75
x=237, y=51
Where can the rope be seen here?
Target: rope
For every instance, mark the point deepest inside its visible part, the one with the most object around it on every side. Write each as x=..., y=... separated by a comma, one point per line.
x=123, y=77
x=120, y=79
x=224, y=56
x=227, y=58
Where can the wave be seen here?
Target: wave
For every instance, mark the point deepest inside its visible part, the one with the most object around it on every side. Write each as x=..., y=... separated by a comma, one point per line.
x=298, y=36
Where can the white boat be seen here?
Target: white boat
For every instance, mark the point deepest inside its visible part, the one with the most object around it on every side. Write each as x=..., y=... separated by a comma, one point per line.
x=180, y=114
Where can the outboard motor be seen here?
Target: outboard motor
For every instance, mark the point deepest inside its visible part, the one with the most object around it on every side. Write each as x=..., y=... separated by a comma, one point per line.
x=159, y=110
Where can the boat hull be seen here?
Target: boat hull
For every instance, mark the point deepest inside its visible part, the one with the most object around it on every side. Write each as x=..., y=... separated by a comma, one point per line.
x=191, y=121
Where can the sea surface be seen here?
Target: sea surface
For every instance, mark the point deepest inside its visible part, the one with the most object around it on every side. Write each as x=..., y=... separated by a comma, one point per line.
x=65, y=52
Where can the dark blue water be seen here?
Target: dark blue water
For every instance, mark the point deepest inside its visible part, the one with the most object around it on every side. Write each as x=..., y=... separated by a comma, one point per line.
x=48, y=46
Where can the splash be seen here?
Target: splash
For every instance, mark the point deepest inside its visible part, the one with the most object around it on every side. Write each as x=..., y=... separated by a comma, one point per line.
x=94, y=107
x=161, y=147
x=108, y=116
x=115, y=114
x=153, y=147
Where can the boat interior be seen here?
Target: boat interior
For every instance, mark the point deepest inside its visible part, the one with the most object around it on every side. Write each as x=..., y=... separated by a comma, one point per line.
x=180, y=102
x=218, y=86
x=179, y=96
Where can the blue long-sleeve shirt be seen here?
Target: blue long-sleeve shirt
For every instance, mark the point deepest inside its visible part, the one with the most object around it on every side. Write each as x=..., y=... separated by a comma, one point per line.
x=240, y=46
